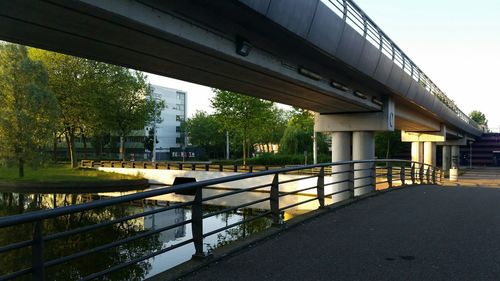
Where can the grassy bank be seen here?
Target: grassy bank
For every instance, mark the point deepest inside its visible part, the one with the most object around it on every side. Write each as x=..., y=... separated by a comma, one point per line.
x=59, y=174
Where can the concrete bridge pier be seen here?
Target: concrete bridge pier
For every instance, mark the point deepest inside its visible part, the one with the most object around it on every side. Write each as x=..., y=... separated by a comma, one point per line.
x=455, y=156
x=363, y=148
x=353, y=139
x=341, y=151
x=446, y=157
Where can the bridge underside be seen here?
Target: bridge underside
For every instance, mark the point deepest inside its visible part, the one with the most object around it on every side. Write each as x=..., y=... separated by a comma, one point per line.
x=195, y=40
x=419, y=233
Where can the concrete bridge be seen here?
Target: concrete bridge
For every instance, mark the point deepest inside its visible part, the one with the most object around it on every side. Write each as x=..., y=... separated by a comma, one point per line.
x=327, y=56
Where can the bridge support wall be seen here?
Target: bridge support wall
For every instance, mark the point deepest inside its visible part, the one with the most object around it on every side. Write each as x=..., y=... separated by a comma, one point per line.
x=363, y=148
x=341, y=151
x=446, y=157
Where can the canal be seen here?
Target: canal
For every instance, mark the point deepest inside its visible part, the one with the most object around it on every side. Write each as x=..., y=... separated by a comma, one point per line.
x=17, y=203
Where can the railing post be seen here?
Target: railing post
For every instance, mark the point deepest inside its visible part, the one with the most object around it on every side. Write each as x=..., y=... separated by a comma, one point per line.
x=197, y=223
x=250, y=169
x=421, y=174
x=402, y=174
x=37, y=252
x=434, y=175
x=350, y=182
x=207, y=167
x=275, y=201
x=321, y=187
x=428, y=174
x=412, y=173
x=389, y=175
x=181, y=166
x=235, y=168
x=221, y=168
x=193, y=167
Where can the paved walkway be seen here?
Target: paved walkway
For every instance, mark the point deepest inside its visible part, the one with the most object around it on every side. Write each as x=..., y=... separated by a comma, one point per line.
x=479, y=177
x=418, y=233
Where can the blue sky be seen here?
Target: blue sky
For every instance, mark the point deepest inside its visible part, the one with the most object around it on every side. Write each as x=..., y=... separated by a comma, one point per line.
x=456, y=43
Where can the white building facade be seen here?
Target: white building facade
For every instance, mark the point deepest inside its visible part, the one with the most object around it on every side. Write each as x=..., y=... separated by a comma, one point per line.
x=168, y=132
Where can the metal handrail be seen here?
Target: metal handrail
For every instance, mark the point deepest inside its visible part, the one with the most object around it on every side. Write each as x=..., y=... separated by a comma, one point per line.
x=420, y=172
x=353, y=15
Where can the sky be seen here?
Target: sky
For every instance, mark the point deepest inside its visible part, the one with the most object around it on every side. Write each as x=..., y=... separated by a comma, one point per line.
x=456, y=43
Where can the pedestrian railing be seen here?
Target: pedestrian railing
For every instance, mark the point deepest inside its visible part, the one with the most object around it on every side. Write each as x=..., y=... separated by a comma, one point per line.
x=347, y=178
x=352, y=14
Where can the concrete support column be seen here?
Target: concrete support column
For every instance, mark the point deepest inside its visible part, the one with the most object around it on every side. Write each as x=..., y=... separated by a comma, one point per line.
x=430, y=153
x=455, y=155
x=446, y=157
x=341, y=151
x=363, y=148
x=417, y=152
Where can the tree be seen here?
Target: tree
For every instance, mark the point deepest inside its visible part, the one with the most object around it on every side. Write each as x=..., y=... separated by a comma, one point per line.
x=130, y=105
x=388, y=144
x=479, y=118
x=205, y=131
x=29, y=109
x=71, y=80
x=241, y=115
x=298, y=135
x=97, y=99
x=272, y=128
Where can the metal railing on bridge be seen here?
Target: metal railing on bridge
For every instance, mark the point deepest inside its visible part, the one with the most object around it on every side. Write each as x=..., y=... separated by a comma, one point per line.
x=357, y=175
x=361, y=22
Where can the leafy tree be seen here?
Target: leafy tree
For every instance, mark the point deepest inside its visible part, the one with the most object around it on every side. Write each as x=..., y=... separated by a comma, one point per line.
x=28, y=107
x=272, y=128
x=205, y=131
x=388, y=144
x=97, y=98
x=298, y=135
x=479, y=118
x=70, y=79
x=131, y=105
x=241, y=115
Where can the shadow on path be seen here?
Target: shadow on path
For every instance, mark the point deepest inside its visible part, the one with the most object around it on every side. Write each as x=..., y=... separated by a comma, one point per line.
x=418, y=233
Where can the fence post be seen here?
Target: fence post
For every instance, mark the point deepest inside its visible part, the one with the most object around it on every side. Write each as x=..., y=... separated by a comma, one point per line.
x=274, y=201
x=389, y=175
x=221, y=168
x=428, y=174
x=321, y=187
x=193, y=167
x=402, y=174
x=181, y=166
x=235, y=168
x=250, y=169
x=37, y=252
x=412, y=173
x=434, y=175
x=421, y=174
x=197, y=223
x=350, y=182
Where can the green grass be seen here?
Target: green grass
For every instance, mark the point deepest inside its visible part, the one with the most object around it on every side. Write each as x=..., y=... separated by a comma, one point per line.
x=59, y=174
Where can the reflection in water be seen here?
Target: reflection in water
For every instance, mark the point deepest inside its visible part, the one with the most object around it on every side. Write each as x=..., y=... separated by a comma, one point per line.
x=11, y=204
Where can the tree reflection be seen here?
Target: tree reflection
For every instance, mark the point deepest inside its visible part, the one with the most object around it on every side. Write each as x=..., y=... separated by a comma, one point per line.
x=11, y=204
x=242, y=230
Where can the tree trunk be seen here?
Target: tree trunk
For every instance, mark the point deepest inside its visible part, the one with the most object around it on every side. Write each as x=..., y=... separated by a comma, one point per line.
x=122, y=147
x=72, y=148
x=54, y=151
x=388, y=149
x=21, y=167
x=84, y=139
x=244, y=152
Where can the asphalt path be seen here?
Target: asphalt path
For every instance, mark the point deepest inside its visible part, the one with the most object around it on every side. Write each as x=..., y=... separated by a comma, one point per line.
x=417, y=233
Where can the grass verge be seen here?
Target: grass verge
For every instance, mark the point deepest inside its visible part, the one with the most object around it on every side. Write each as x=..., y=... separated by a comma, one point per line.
x=59, y=174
